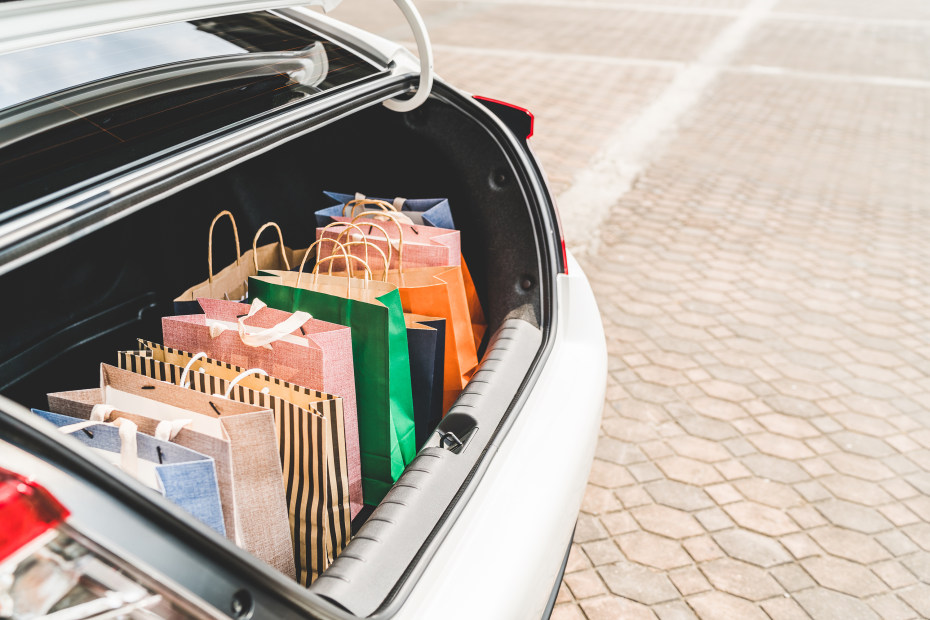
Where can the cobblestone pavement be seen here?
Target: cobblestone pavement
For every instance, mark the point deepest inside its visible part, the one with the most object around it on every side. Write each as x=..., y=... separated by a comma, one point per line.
x=765, y=290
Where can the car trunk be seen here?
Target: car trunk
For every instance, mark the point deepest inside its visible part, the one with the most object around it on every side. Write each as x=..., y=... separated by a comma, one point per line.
x=74, y=307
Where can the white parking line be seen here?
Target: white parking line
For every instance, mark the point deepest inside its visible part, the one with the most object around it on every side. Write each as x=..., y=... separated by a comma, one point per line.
x=712, y=12
x=586, y=204
x=622, y=61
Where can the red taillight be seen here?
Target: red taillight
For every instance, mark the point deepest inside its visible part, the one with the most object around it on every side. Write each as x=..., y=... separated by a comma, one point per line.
x=519, y=120
x=26, y=512
x=564, y=258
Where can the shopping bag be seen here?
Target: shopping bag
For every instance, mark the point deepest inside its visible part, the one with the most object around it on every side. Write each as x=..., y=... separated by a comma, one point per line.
x=420, y=211
x=231, y=282
x=303, y=351
x=426, y=343
x=303, y=444
x=421, y=246
x=285, y=399
x=380, y=356
x=240, y=438
x=424, y=246
x=438, y=292
x=185, y=477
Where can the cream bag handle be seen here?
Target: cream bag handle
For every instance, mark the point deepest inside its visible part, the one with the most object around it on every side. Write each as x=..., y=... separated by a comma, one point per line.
x=271, y=334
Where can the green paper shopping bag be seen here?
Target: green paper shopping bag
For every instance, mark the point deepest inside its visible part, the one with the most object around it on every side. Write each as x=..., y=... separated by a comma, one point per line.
x=381, y=359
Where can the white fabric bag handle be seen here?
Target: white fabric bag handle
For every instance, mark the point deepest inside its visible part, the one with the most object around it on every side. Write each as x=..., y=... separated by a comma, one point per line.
x=167, y=430
x=187, y=368
x=264, y=337
x=128, y=448
x=242, y=376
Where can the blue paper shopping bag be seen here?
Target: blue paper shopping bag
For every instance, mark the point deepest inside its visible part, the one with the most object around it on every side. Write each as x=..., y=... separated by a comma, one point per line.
x=185, y=477
x=433, y=212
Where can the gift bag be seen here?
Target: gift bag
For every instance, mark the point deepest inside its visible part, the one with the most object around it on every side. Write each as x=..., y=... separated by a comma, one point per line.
x=231, y=283
x=173, y=366
x=291, y=347
x=426, y=343
x=240, y=438
x=185, y=477
x=439, y=248
x=424, y=246
x=381, y=360
x=303, y=444
x=432, y=291
x=420, y=211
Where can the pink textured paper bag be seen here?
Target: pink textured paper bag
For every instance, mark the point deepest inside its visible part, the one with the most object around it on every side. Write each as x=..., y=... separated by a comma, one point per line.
x=424, y=246
x=297, y=349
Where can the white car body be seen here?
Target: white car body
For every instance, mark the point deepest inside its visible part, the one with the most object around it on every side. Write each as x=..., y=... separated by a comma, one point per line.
x=501, y=557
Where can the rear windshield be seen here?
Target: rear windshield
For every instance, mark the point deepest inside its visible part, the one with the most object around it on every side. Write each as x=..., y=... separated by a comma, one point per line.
x=74, y=112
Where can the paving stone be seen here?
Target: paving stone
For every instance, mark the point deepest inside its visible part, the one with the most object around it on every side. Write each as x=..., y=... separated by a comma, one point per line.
x=689, y=471
x=644, y=472
x=898, y=514
x=602, y=552
x=702, y=548
x=761, y=519
x=708, y=428
x=842, y=576
x=767, y=492
x=698, y=448
x=825, y=604
x=597, y=501
x=722, y=606
x=618, y=452
x=638, y=583
x=567, y=611
x=780, y=446
x=920, y=534
x=718, y=409
x=775, y=468
x=896, y=576
x=564, y=595
x=890, y=607
x=788, y=426
x=577, y=560
x=791, y=577
x=689, y=580
x=863, y=445
x=850, y=545
x=679, y=495
x=633, y=496
x=585, y=584
x=666, y=521
x=752, y=548
x=732, y=470
x=619, y=522
x=609, y=475
x=853, y=516
x=859, y=466
x=800, y=545
x=740, y=579
x=610, y=608
x=806, y=516
x=652, y=550
x=784, y=609
x=714, y=519
x=675, y=610
x=896, y=543
x=918, y=597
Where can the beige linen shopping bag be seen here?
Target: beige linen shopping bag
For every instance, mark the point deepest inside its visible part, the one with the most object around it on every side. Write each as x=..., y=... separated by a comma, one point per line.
x=298, y=411
x=239, y=437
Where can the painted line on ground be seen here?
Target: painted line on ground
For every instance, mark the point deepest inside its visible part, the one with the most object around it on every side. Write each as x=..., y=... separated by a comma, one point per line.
x=602, y=5
x=586, y=204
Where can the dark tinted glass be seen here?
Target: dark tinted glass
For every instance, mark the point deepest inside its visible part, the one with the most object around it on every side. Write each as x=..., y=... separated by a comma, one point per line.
x=72, y=112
